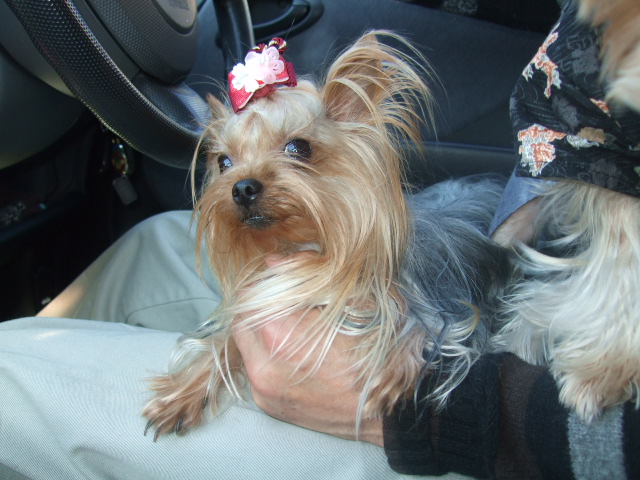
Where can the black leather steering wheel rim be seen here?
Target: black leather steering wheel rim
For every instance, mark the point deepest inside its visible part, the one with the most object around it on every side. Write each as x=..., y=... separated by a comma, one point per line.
x=162, y=121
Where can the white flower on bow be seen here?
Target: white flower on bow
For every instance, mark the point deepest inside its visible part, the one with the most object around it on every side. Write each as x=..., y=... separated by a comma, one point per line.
x=258, y=67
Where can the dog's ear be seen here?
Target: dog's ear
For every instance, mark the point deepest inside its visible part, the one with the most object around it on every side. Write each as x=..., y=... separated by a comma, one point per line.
x=218, y=109
x=354, y=83
x=373, y=83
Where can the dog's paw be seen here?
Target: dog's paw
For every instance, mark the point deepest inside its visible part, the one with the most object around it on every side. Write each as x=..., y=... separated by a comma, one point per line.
x=175, y=408
x=588, y=393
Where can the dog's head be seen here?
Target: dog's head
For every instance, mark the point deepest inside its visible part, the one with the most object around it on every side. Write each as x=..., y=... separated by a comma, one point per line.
x=315, y=166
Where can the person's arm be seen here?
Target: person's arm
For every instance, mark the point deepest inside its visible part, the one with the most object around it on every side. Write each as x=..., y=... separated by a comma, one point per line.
x=497, y=424
x=461, y=436
x=504, y=421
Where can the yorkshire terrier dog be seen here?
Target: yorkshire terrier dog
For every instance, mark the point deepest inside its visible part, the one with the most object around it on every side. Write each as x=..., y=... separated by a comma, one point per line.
x=576, y=228
x=299, y=166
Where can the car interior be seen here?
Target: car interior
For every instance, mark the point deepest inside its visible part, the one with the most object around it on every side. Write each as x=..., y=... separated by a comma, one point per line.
x=102, y=104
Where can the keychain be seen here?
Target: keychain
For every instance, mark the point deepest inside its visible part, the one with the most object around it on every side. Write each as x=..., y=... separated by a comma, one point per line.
x=120, y=161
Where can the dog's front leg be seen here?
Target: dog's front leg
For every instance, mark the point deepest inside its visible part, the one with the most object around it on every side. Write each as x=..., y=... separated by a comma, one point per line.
x=201, y=367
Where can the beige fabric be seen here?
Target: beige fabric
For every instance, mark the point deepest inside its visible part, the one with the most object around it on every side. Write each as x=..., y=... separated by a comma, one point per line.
x=71, y=390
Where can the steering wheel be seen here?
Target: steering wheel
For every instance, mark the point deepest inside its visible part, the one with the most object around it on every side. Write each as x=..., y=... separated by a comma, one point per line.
x=126, y=62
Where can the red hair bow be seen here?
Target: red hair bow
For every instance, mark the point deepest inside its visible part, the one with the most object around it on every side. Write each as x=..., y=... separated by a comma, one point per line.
x=264, y=69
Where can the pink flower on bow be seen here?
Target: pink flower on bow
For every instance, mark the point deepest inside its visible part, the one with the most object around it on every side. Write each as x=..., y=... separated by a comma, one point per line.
x=263, y=69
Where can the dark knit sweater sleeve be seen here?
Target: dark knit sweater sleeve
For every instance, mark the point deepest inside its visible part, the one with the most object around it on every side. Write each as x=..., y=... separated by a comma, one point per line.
x=461, y=437
x=504, y=421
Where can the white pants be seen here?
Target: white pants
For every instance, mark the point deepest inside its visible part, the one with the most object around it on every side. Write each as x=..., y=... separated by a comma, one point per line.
x=71, y=391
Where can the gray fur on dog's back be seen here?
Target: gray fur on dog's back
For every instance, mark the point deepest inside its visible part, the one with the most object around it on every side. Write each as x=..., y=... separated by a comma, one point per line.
x=452, y=269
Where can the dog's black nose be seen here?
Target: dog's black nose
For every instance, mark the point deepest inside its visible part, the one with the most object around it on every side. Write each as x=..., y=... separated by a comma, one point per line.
x=246, y=192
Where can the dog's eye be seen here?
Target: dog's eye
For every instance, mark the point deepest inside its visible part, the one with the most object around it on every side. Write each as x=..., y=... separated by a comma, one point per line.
x=299, y=149
x=224, y=162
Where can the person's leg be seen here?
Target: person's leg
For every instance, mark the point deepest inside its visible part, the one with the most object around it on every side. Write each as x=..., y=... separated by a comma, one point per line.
x=147, y=278
x=71, y=392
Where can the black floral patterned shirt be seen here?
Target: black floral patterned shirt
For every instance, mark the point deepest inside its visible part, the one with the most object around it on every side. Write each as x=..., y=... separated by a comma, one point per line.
x=563, y=126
